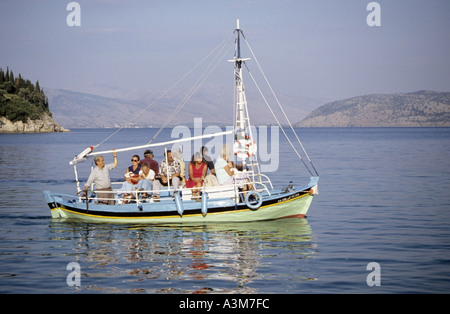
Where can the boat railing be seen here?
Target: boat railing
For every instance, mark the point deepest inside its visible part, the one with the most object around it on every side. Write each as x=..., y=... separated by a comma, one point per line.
x=258, y=182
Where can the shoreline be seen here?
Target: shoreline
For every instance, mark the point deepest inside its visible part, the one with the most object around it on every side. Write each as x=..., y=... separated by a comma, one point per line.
x=45, y=124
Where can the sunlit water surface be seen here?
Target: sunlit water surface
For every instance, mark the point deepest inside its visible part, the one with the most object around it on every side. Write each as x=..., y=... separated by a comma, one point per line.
x=384, y=198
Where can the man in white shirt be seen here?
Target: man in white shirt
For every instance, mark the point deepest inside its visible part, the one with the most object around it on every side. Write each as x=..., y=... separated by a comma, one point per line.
x=100, y=177
x=169, y=173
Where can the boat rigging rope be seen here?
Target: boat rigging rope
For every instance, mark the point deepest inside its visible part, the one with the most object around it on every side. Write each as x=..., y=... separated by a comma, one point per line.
x=282, y=110
x=276, y=119
x=222, y=44
x=206, y=73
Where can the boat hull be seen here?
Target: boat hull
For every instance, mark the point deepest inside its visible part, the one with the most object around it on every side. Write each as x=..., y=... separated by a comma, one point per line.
x=274, y=206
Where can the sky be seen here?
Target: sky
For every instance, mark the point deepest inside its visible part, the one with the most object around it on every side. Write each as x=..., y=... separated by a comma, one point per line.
x=322, y=49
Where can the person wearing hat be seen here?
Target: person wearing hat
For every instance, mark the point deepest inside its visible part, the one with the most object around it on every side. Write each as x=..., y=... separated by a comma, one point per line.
x=148, y=159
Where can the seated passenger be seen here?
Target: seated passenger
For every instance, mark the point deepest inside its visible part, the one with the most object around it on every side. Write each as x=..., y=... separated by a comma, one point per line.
x=131, y=178
x=197, y=172
x=146, y=177
x=242, y=179
x=223, y=167
x=133, y=170
x=208, y=160
x=169, y=173
x=148, y=159
x=178, y=156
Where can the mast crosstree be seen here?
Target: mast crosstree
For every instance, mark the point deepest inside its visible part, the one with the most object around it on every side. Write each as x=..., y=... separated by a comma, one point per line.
x=244, y=145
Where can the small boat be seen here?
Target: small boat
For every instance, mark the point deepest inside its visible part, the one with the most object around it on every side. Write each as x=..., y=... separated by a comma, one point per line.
x=217, y=203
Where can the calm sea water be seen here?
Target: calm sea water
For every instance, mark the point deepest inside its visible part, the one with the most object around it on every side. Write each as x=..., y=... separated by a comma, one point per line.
x=384, y=198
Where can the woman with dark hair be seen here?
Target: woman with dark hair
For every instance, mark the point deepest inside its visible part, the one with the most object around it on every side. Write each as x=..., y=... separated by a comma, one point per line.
x=197, y=172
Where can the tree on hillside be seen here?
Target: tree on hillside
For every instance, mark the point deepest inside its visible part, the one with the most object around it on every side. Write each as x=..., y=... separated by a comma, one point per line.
x=20, y=99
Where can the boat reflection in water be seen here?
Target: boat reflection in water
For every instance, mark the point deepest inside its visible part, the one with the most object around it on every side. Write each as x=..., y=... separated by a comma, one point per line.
x=218, y=258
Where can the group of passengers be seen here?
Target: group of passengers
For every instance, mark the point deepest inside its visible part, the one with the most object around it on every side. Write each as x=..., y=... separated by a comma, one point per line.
x=147, y=175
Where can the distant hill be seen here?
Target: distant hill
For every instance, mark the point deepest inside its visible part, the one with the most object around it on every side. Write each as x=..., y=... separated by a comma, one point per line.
x=213, y=103
x=417, y=109
x=82, y=110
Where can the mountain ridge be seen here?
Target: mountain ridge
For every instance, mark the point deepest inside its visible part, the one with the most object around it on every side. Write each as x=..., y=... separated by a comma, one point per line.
x=213, y=103
x=422, y=108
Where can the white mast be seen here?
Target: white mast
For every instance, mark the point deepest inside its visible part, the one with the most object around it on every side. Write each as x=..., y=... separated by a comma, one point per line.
x=241, y=114
x=244, y=146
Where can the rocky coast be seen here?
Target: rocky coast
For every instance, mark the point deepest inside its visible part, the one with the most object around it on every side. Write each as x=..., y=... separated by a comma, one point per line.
x=45, y=124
